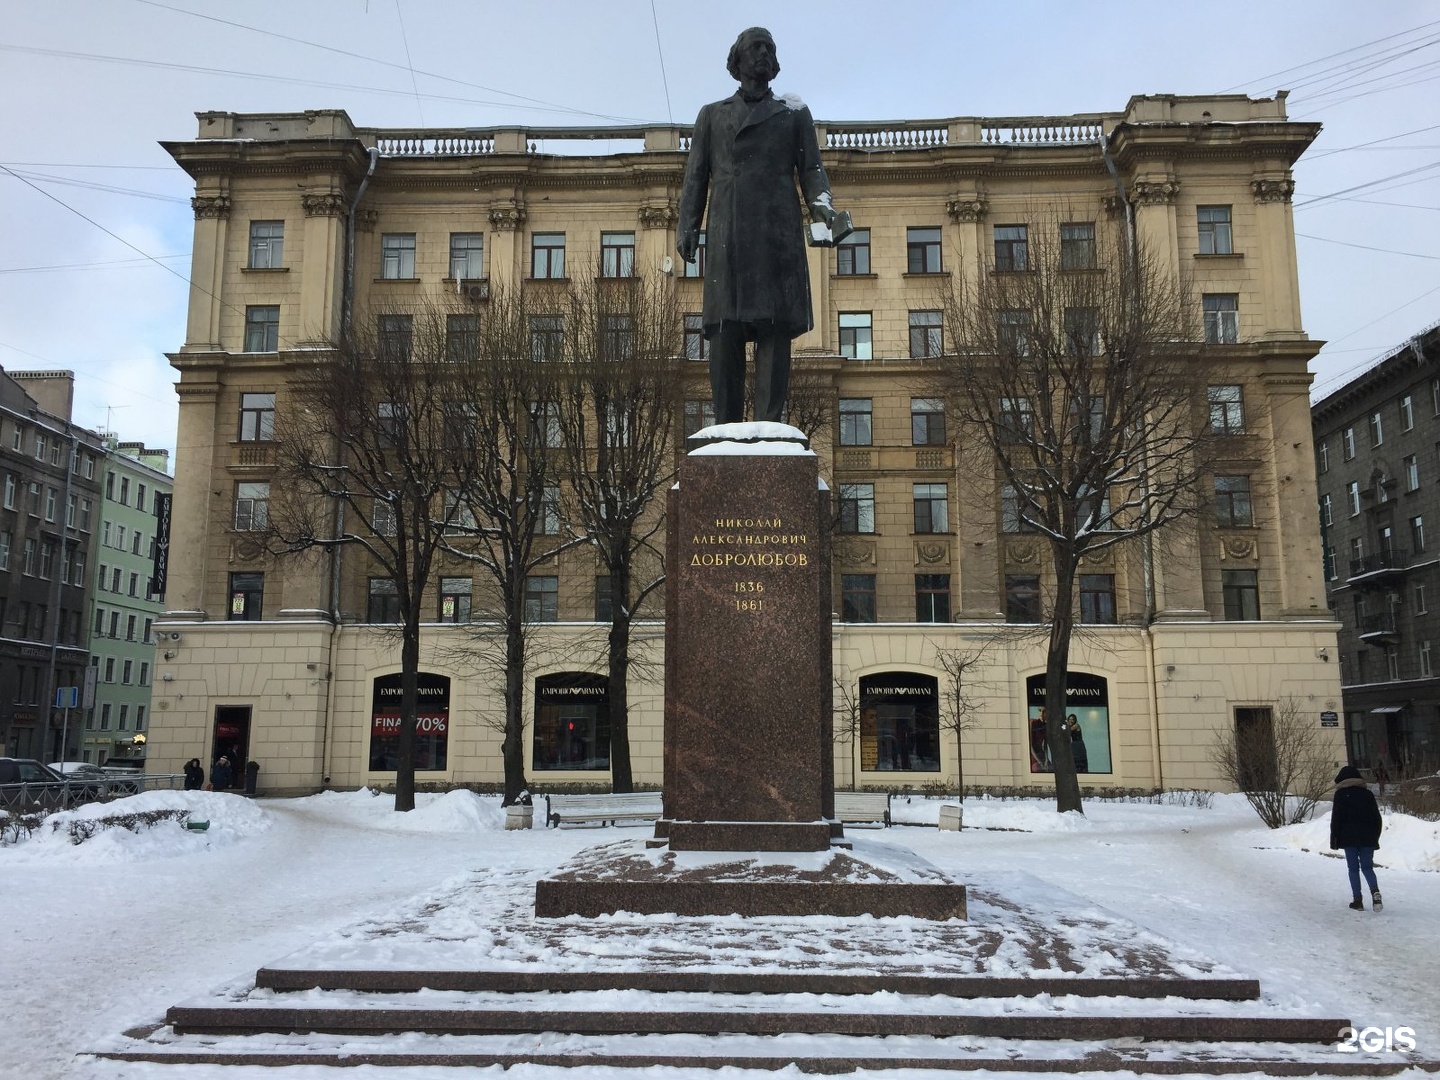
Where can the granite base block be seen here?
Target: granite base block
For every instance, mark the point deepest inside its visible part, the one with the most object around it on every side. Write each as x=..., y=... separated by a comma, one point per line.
x=749, y=835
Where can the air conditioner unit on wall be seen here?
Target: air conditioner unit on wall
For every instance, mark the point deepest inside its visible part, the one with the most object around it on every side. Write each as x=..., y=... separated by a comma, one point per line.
x=476, y=291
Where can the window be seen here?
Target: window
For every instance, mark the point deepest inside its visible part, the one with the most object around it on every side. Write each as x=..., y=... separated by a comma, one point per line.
x=6, y=538
x=396, y=336
x=695, y=269
x=1326, y=516
x=857, y=508
x=1012, y=248
x=262, y=327
x=1082, y=331
x=1213, y=223
x=932, y=508
x=397, y=256
x=1077, y=246
x=1330, y=565
x=89, y=466
x=1232, y=502
x=467, y=256
x=257, y=417
x=547, y=255
x=548, y=523
x=252, y=506
x=1417, y=534
x=1222, y=318
x=383, y=603
x=1407, y=413
x=35, y=491
x=51, y=496
x=699, y=414
x=47, y=559
x=455, y=599
x=617, y=338
x=1097, y=598
x=542, y=598
x=41, y=443
x=1022, y=598
x=1242, y=595
x=1352, y=496
x=545, y=415
x=28, y=566
x=139, y=505
x=857, y=598
x=922, y=250
x=135, y=592
x=1227, y=410
x=267, y=245
x=10, y=487
x=85, y=508
x=1412, y=473
x=617, y=254
x=462, y=338
x=1377, y=428
x=247, y=593
x=547, y=338
x=105, y=716
x=1427, y=669
x=382, y=516
x=604, y=605
x=852, y=255
x=1017, y=420
x=927, y=334
x=1322, y=464
x=146, y=637
x=1014, y=516
x=697, y=346
x=1347, y=443
x=114, y=624
x=1012, y=333
x=927, y=422
x=855, y=335
x=855, y=422
x=127, y=672
x=932, y=597
x=1392, y=663
x=1420, y=608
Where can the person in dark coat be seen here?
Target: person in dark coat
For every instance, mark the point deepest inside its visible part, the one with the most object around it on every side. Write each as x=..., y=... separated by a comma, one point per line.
x=1355, y=826
x=194, y=775
x=746, y=155
x=220, y=774
x=1077, y=744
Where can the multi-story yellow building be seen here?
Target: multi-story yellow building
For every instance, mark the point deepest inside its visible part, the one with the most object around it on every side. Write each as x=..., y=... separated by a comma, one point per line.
x=299, y=216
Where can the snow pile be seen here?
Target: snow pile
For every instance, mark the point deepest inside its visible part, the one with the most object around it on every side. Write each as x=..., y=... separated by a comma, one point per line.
x=1016, y=815
x=231, y=819
x=458, y=811
x=1407, y=843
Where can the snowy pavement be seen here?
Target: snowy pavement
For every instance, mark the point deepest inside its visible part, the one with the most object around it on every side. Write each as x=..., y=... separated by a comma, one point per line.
x=108, y=934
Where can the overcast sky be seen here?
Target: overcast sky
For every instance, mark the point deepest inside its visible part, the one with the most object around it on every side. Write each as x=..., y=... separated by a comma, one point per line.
x=90, y=87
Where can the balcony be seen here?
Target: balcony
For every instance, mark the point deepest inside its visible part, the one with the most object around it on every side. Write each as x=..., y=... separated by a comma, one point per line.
x=1373, y=569
x=1379, y=629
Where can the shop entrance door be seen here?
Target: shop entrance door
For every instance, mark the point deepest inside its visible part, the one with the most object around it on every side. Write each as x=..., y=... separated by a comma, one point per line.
x=232, y=741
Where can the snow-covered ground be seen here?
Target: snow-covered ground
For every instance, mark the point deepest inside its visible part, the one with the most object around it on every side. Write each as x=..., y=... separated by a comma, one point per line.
x=107, y=934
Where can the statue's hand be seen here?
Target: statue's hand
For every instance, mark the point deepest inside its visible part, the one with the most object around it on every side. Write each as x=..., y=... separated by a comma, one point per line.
x=688, y=244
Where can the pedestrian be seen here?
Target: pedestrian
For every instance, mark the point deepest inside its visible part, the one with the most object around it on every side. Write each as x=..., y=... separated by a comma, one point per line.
x=194, y=775
x=1355, y=826
x=220, y=774
x=1077, y=744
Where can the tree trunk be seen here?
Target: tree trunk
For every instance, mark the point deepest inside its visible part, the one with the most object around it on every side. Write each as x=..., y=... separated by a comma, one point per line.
x=621, y=778
x=1057, y=668
x=512, y=749
x=405, y=755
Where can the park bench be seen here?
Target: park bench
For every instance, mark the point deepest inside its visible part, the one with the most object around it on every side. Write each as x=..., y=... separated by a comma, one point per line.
x=863, y=808
x=605, y=808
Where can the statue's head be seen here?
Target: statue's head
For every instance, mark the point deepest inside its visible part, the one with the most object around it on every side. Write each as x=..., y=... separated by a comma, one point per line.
x=753, y=55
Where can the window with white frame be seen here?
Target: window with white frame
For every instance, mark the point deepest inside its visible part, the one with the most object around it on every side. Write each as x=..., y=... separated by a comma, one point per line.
x=267, y=245
x=1352, y=496
x=1420, y=607
x=1377, y=428
x=855, y=421
x=1426, y=668
x=397, y=256
x=1222, y=318
x=1407, y=412
x=1412, y=473
x=1417, y=533
x=1323, y=457
x=467, y=256
x=1327, y=516
x=1213, y=223
x=1347, y=444
x=855, y=335
x=252, y=506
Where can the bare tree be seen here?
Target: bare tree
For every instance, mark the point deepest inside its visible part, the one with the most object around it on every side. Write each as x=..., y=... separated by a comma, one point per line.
x=1279, y=758
x=617, y=401
x=847, y=706
x=506, y=513
x=957, y=700
x=1075, y=364
x=363, y=460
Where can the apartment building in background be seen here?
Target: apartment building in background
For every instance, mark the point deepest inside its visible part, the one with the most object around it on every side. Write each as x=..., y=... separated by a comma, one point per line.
x=1377, y=459
x=274, y=659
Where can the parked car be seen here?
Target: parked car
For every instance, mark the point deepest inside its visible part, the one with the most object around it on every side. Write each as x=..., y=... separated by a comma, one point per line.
x=25, y=784
x=126, y=777
x=90, y=780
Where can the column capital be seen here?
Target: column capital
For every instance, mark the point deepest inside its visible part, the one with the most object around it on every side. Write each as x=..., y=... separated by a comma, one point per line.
x=507, y=218
x=1273, y=190
x=323, y=204
x=1154, y=192
x=659, y=215
x=211, y=206
x=966, y=208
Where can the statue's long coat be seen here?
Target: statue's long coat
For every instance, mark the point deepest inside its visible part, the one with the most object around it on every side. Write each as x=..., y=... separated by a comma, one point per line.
x=749, y=158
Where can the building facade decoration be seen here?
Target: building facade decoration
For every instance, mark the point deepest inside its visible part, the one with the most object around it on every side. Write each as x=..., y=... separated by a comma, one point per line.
x=211, y=206
x=1270, y=190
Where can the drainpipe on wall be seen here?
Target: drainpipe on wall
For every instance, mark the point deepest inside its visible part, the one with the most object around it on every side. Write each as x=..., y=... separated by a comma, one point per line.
x=347, y=304
x=1147, y=541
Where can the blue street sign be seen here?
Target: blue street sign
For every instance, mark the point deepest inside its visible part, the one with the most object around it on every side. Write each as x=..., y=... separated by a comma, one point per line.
x=67, y=697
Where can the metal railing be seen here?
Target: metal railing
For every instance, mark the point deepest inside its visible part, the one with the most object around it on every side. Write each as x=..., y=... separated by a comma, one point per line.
x=59, y=794
x=1394, y=559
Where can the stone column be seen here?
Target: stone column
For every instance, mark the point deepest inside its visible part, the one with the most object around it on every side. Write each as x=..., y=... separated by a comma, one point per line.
x=507, y=244
x=1275, y=232
x=1297, y=540
x=657, y=235
x=322, y=269
x=207, y=270
x=191, y=510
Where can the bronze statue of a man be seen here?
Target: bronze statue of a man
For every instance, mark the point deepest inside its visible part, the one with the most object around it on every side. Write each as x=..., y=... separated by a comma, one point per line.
x=746, y=156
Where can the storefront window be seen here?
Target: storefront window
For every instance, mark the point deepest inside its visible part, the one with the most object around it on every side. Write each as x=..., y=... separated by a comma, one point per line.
x=1087, y=720
x=432, y=722
x=899, y=722
x=572, y=722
